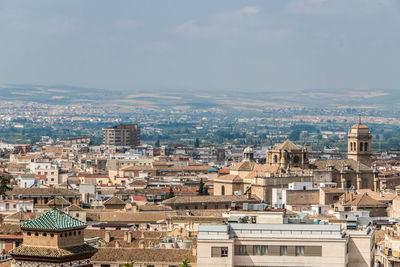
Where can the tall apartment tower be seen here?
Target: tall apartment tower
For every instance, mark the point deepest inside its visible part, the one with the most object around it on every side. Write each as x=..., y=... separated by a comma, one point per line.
x=359, y=144
x=122, y=135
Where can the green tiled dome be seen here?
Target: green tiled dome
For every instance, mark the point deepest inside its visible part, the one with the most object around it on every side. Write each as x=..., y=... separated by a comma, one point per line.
x=53, y=219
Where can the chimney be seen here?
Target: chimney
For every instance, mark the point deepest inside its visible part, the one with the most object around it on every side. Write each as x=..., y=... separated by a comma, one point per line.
x=194, y=251
x=129, y=237
x=107, y=237
x=141, y=244
x=125, y=236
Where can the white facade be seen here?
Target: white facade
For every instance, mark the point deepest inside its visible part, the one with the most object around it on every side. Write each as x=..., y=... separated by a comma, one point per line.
x=47, y=169
x=283, y=245
x=16, y=205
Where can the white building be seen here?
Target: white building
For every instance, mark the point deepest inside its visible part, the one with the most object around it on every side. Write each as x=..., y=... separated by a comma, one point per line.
x=48, y=169
x=283, y=245
x=16, y=205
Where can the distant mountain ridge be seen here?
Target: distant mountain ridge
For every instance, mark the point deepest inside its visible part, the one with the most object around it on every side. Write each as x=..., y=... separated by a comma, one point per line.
x=61, y=94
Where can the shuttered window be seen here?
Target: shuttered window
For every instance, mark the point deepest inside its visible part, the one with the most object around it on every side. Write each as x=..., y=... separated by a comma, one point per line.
x=283, y=250
x=299, y=250
x=219, y=251
x=313, y=251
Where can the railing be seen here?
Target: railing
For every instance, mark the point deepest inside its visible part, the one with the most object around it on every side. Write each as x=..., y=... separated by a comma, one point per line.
x=4, y=257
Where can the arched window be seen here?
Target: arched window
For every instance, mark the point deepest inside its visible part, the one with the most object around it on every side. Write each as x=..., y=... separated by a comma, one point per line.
x=351, y=146
x=223, y=190
x=348, y=184
x=366, y=146
x=354, y=146
x=361, y=146
x=296, y=160
x=275, y=158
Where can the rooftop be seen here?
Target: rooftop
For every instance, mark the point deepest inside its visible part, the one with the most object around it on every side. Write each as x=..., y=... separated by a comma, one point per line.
x=53, y=219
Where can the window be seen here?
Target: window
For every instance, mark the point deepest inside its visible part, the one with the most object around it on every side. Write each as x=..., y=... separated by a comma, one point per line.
x=361, y=146
x=51, y=235
x=242, y=250
x=36, y=234
x=29, y=234
x=264, y=250
x=365, y=146
x=283, y=250
x=256, y=250
x=44, y=234
x=223, y=190
x=299, y=250
x=219, y=251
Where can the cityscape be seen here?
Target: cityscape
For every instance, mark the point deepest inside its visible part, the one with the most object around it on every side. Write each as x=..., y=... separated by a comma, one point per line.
x=187, y=133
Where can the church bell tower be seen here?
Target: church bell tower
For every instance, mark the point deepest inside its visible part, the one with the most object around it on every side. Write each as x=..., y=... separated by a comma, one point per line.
x=359, y=144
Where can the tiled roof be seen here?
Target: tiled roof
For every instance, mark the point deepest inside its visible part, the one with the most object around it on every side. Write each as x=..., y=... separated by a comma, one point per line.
x=59, y=201
x=53, y=219
x=244, y=166
x=52, y=252
x=288, y=145
x=338, y=164
x=19, y=216
x=364, y=201
x=122, y=255
x=113, y=201
x=43, y=192
x=74, y=208
x=230, y=177
x=208, y=199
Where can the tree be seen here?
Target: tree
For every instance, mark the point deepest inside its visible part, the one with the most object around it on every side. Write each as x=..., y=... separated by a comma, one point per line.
x=157, y=143
x=5, y=181
x=185, y=262
x=197, y=143
x=202, y=189
x=294, y=135
x=170, y=194
x=129, y=264
x=206, y=191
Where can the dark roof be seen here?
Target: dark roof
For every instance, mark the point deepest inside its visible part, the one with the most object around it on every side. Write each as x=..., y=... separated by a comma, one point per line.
x=123, y=255
x=52, y=252
x=53, y=219
x=208, y=199
x=113, y=201
x=59, y=201
x=43, y=192
x=339, y=164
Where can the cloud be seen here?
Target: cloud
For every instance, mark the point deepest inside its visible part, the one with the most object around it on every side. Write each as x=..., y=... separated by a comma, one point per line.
x=250, y=10
x=227, y=23
x=125, y=23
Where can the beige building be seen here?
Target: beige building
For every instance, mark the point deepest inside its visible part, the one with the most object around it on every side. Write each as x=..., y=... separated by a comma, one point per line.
x=359, y=144
x=122, y=135
x=288, y=163
x=283, y=245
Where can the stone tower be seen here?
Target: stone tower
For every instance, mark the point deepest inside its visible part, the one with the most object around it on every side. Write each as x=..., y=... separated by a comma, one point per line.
x=248, y=154
x=359, y=144
x=54, y=239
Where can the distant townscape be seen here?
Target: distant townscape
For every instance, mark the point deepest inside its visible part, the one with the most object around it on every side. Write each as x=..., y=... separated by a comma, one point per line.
x=69, y=202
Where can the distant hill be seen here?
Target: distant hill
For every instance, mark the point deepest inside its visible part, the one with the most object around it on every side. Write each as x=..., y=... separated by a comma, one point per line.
x=383, y=99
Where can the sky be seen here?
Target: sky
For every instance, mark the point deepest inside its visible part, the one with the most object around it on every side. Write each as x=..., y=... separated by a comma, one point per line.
x=223, y=45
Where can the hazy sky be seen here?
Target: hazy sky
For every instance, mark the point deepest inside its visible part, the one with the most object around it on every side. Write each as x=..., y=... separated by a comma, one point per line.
x=213, y=45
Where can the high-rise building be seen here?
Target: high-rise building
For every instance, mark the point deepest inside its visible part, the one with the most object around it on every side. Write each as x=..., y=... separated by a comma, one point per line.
x=359, y=144
x=122, y=135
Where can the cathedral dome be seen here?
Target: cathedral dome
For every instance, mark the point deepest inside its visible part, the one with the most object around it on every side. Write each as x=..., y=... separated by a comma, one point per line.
x=248, y=150
x=359, y=128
